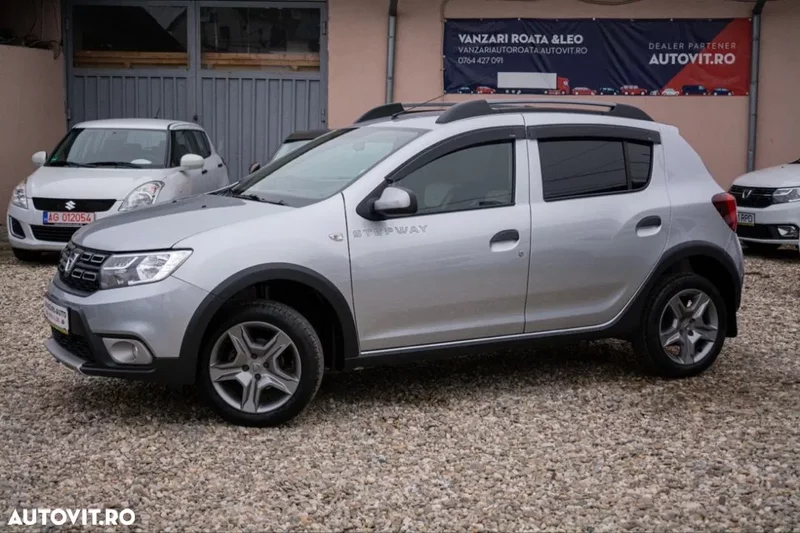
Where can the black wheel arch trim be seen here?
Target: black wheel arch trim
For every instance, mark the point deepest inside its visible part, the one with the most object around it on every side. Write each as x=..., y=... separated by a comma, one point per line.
x=219, y=296
x=671, y=258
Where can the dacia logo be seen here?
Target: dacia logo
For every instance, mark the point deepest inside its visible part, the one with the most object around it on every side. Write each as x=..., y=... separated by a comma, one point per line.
x=71, y=260
x=389, y=230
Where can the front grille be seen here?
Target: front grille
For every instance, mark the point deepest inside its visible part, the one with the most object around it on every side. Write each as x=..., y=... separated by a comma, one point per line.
x=84, y=274
x=74, y=344
x=80, y=206
x=54, y=233
x=758, y=197
x=760, y=231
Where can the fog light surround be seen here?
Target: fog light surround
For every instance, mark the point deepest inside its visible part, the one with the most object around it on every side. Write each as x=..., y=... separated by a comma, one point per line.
x=128, y=351
x=788, y=232
x=15, y=227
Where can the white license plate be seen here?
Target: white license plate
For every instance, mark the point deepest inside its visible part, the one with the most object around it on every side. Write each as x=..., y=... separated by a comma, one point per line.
x=57, y=316
x=67, y=218
x=747, y=219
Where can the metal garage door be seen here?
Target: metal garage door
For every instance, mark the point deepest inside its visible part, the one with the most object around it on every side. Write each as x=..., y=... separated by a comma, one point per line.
x=249, y=72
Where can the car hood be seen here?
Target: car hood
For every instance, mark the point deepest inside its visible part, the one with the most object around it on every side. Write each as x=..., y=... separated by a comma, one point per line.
x=161, y=226
x=787, y=175
x=89, y=183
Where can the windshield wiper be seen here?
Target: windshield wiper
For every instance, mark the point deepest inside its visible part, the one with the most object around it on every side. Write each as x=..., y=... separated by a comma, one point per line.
x=66, y=164
x=248, y=197
x=257, y=198
x=122, y=164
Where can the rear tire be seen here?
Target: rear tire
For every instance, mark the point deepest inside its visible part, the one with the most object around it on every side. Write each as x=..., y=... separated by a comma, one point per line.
x=27, y=256
x=761, y=247
x=262, y=364
x=683, y=327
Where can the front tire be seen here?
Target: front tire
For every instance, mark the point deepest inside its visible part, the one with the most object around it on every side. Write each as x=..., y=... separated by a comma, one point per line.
x=683, y=327
x=262, y=365
x=27, y=256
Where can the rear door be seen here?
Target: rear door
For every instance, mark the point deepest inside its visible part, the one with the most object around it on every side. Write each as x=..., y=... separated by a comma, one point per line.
x=600, y=218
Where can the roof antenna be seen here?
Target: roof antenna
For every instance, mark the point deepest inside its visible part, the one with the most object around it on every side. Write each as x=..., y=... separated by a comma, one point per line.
x=484, y=79
x=158, y=112
x=418, y=105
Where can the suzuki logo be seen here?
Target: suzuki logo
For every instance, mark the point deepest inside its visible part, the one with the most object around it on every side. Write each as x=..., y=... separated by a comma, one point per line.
x=746, y=193
x=71, y=260
x=70, y=205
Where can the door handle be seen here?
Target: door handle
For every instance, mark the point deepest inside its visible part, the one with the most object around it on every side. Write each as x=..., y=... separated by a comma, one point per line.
x=507, y=235
x=648, y=226
x=649, y=222
x=204, y=171
x=219, y=166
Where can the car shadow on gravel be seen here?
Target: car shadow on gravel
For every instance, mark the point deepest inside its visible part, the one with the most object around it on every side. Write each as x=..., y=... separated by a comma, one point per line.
x=446, y=380
x=434, y=383
x=784, y=254
x=429, y=384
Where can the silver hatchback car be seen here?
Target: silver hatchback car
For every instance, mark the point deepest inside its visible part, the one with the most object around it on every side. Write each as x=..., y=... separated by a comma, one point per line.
x=416, y=232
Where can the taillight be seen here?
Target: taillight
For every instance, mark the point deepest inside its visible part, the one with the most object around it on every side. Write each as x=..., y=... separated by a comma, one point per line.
x=726, y=206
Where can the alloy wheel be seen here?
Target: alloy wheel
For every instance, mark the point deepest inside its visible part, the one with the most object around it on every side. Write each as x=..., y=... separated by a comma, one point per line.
x=255, y=367
x=689, y=327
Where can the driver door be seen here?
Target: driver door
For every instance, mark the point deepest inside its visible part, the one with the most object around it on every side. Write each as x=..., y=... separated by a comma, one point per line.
x=457, y=268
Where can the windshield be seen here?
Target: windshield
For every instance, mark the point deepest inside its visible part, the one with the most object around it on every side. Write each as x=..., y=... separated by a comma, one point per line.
x=325, y=166
x=289, y=147
x=127, y=148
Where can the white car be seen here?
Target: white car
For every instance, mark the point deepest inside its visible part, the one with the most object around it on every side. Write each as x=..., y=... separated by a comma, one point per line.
x=769, y=207
x=105, y=167
x=670, y=92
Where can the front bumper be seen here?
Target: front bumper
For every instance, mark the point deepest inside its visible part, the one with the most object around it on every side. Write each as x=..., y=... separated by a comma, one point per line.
x=153, y=317
x=767, y=222
x=35, y=235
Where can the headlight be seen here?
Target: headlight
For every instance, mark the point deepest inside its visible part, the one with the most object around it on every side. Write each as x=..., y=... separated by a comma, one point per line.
x=142, y=196
x=785, y=196
x=123, y=270
x=18, y=197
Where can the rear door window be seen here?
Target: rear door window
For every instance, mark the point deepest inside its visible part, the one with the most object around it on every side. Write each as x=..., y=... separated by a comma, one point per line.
x=573, y=168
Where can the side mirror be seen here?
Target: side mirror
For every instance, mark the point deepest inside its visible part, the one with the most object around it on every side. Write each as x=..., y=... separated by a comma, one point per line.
x=192, y=162
x=39, y=158
x=255, y=166
x=395, y=201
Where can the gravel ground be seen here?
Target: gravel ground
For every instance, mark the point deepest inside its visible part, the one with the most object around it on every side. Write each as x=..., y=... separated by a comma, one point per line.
x=569, y=439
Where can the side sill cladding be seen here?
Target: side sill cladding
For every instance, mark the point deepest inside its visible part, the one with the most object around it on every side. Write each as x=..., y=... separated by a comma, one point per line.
x=198, y=325
x=673, y=259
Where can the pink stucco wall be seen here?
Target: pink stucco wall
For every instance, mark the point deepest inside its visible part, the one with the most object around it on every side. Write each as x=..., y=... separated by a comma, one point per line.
x=31, y=111
x=716, y=127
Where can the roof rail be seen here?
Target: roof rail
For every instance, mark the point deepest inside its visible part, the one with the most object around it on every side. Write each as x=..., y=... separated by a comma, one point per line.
x=468, y=109
x=382, y=111
x=397, y=108
x=476, y=108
